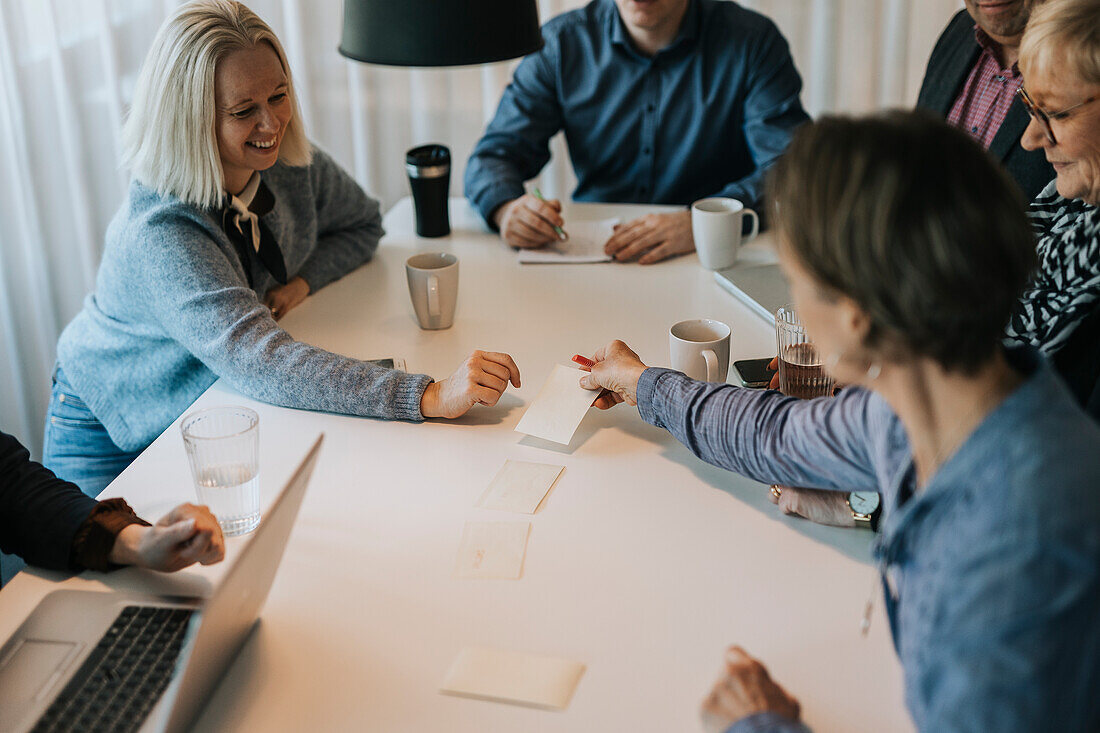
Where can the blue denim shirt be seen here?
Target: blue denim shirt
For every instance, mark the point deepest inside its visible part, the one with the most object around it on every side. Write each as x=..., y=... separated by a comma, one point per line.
x=704, y=117
x=992, y=569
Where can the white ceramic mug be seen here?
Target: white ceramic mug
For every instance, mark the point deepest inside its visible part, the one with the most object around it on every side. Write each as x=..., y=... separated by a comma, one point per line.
x=433, y=287
x=700, y=349
x=716, y=229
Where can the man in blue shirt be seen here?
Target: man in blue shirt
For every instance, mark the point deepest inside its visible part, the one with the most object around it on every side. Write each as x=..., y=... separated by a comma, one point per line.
x=661, y=101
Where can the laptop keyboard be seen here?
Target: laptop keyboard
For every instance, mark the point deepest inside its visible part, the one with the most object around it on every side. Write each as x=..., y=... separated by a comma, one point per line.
x=124, y=676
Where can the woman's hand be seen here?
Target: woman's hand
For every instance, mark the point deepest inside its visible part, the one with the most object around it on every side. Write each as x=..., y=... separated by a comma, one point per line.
x=616, y=372
x=817, y=505
x=744, y=689
x=481, y=379
x=281, y=298
x=186, y=535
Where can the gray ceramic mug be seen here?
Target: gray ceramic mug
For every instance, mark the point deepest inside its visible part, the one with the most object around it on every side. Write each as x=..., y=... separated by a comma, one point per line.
x=433, y=287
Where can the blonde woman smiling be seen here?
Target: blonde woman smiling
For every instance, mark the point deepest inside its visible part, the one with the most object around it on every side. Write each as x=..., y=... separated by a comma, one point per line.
x=231, y=220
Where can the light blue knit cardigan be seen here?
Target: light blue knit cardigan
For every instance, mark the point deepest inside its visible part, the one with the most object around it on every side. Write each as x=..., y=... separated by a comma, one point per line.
x=172, y=310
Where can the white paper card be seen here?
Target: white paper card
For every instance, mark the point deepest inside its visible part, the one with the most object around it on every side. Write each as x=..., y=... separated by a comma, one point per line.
x=585, y=244
x=558, y=410
x=519, y=486
x=492, y=550
x=504, y=676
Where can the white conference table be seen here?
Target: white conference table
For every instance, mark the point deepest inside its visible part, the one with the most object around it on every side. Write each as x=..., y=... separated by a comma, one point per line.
x=644, y=563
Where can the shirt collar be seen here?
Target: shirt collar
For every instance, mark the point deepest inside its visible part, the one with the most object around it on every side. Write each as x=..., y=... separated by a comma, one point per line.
x=688, y=33
x=989, y=46
x=1040, y=386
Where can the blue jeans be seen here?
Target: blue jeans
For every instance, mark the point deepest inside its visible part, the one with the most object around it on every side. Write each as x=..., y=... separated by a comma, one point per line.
x=76, y=446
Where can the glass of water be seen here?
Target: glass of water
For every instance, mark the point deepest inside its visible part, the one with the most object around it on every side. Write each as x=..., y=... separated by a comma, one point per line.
x=223, y=448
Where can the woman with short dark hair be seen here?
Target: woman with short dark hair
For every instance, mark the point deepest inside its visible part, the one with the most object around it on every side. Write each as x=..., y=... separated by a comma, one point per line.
x=906, y=249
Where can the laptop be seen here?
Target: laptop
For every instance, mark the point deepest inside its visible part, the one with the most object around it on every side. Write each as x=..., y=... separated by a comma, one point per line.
x=762, y=287
x=86, y=660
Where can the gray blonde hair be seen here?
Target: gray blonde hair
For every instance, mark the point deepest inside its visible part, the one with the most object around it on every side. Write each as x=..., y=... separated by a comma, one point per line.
x=913, y=221
x=168, y=138
x=1063, y=31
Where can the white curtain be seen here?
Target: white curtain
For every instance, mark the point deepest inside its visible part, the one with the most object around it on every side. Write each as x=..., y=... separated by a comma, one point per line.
x=67, y=70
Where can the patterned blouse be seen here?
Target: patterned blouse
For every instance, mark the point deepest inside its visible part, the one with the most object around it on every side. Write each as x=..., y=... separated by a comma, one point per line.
x=1066, y=287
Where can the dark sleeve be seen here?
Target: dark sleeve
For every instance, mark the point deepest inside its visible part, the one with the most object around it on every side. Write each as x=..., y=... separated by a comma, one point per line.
x=39, y=513
x=516, y=145
x=96, y=536
x=772, y=113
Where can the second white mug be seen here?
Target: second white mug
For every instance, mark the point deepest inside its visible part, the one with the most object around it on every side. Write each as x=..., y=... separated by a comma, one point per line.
x=716, y=229
x=700, y=348
x=433, y=287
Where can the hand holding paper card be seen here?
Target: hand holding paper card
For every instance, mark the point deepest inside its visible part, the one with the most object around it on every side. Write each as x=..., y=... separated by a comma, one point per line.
x=520, y=486
x=558, y=410
x=492, y=550
x=504, y=676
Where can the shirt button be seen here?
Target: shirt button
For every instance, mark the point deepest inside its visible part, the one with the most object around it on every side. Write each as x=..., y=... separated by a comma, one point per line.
x=973, y=129
x=650, y=107
x=645, y=151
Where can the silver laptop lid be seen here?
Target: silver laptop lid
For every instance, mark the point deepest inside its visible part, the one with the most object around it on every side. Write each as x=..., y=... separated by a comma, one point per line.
x=228, y=616
x=761, y=287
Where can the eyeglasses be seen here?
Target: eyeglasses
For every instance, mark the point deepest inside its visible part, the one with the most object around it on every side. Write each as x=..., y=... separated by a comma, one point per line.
x=1044, y=118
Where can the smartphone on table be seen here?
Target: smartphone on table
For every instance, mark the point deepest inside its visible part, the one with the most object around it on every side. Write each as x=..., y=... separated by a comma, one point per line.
x=754, y=372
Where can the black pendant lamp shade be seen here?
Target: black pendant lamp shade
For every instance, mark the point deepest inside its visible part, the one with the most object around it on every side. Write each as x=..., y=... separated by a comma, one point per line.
x=439, y=32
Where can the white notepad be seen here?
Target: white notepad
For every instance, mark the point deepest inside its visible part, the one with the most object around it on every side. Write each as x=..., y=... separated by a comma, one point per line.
x=504, y=676
x=585, y=244
x=561, y=405
x=520, y=486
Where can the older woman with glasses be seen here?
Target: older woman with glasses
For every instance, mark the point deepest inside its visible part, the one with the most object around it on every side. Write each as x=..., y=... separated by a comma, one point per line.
x=1060, y=61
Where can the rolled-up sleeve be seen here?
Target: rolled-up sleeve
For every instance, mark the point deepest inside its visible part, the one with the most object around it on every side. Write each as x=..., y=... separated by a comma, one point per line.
x=515, y=147
x=764, y=435
x=772, y=113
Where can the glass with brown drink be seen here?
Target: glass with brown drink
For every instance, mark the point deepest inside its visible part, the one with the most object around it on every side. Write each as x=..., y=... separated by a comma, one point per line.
x=801, y=372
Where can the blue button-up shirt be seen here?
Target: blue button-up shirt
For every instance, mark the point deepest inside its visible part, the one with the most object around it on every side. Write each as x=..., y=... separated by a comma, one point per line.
x=992, y=569
x=705, y=116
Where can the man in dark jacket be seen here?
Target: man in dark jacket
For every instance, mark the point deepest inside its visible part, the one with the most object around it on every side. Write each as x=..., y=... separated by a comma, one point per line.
x=972, y=79
x=53, y=524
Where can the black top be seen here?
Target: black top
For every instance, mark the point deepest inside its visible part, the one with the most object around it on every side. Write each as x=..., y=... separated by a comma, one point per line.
x=952, y=59
x=39, y=513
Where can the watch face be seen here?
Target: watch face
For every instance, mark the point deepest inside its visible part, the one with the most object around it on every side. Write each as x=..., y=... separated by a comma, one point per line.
x=863, y=502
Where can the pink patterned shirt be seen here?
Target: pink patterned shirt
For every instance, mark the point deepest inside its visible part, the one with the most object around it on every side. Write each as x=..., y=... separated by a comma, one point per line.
x=987, y=95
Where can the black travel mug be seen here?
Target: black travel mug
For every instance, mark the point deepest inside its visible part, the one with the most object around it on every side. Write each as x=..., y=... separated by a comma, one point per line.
x=429, y=169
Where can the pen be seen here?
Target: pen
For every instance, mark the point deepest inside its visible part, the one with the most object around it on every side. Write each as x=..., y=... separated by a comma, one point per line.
x=557, y=230
x=583, y=361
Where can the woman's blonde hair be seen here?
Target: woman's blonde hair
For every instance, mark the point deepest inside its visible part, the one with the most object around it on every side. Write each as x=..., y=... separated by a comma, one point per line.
x=1066, y=31
x=168, y=139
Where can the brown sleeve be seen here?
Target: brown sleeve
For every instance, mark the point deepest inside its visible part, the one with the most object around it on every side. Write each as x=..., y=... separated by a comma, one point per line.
x=94, y=539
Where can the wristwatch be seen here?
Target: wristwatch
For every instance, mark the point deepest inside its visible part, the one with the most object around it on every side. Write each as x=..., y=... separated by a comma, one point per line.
x=866, y=507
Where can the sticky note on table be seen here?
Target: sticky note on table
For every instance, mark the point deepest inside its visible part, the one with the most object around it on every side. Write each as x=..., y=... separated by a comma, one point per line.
x=520, y=486
x=492, y=550
x=513, y=677
x=558, y=410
